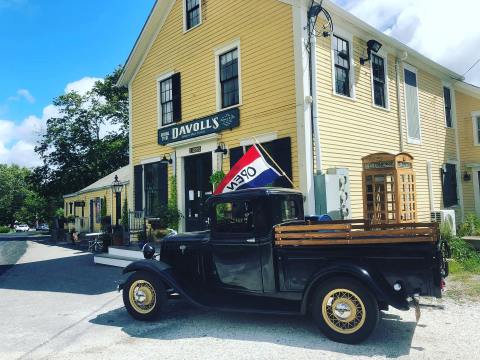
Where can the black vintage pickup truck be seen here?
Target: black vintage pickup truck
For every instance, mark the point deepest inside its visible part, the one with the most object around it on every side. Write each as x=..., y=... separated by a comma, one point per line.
x=261, y=255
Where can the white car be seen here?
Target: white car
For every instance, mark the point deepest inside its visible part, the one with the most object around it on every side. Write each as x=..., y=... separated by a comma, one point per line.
x=22, y=227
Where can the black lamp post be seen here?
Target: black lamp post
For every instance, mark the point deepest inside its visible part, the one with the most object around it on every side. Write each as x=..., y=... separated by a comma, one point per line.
x=117, y=187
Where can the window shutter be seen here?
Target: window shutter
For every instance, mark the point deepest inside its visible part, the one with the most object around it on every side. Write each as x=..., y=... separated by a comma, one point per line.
x=163, y=183
x=138, y=187
x=449, y=177
x=235, y=154
x=280, y=150
x=177, y=97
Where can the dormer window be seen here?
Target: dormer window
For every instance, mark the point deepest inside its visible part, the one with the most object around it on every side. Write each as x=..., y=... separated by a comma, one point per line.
x=192, y=14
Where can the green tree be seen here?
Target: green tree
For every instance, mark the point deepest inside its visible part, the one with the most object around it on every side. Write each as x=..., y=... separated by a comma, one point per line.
x=18, y=200
x=124, y=220
x=86, y=141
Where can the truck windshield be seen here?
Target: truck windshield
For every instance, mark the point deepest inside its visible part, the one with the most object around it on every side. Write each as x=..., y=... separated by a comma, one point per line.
x=234, y=217
x=286, y=208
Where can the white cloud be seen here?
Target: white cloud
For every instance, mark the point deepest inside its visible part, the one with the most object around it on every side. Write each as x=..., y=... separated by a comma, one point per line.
x=17, y=140
x=83, y=85
x=23, y=94
x=444, y=31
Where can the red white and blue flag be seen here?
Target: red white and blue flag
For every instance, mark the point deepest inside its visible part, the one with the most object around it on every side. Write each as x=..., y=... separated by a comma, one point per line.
x=250, y=171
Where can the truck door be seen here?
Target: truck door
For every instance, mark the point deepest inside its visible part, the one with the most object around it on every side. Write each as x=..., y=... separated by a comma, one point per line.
x=235, y=251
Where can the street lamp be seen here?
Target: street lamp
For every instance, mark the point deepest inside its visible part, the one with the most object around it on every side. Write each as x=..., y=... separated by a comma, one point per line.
x=117, y=187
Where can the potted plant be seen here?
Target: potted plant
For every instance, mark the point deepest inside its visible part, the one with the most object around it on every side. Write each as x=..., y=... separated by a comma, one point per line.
x=106, y=239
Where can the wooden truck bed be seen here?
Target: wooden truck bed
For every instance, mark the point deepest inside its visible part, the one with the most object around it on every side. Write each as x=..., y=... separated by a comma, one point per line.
x=353, y=232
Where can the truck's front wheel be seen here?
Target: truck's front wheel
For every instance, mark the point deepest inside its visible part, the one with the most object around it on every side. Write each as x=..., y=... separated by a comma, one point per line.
x=144, y=296
x=345, y=310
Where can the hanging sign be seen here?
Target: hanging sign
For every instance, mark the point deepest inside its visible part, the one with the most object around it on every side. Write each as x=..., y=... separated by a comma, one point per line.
x=215, y=123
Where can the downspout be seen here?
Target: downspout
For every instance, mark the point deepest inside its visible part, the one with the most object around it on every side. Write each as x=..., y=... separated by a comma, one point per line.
x=398, y=62
x=313, y=91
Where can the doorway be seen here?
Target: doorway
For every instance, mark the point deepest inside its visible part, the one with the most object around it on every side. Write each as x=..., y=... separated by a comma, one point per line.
x=197, y=171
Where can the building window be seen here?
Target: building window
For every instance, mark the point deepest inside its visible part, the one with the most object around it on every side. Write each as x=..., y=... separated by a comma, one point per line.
x=449, y=177
x=192, y=13
x=411, y=105
x=98, y=209
x=476, y=128
x=448, y=106
x=341, y=55
x=166, y=101
x=169, y=104
x=379, y=81
x=71, y=208
x=229, y=84
x=477, y=135
x=156, y=184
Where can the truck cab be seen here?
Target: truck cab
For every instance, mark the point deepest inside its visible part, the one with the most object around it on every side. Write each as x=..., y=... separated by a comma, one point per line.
x=261, y=255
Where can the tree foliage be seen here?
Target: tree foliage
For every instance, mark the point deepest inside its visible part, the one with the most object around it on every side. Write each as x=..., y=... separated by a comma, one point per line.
x=86, y=141
x=18, y=199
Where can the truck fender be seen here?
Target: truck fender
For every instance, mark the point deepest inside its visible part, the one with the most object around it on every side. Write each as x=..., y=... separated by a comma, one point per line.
x=373, y=281
x=164, y=272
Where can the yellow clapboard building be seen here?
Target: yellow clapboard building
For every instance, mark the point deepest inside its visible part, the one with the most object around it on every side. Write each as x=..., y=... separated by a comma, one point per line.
x=83, y=208
x=208, y=78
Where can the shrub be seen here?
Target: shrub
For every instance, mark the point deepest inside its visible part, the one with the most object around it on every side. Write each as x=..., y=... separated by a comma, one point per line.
x=470, y=227
x=461, y=250
x=4, y=229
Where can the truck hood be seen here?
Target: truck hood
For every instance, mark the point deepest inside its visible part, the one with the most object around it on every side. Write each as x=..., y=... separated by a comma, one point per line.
x=194, y=236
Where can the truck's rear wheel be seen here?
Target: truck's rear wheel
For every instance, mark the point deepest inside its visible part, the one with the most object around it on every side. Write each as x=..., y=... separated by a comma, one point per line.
x=144, y=296
x=345, y=310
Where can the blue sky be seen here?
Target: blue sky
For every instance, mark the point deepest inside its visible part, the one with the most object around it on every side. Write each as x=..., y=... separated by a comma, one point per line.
x=52, y=46
x=47, y=44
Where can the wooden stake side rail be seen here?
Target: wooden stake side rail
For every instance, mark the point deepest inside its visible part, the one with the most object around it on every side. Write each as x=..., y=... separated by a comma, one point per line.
x=346, y=234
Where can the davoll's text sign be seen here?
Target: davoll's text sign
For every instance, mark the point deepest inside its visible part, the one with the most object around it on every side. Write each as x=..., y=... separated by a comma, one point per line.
x=220, y=121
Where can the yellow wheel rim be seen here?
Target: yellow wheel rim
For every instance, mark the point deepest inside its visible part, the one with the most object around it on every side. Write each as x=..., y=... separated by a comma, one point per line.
x=343, y=311
x=142, y=296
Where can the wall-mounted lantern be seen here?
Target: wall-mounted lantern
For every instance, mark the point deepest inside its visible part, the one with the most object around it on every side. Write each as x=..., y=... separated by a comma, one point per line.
x=166, y=160
x=372, y=45
x=221, y=149
x=467, y=176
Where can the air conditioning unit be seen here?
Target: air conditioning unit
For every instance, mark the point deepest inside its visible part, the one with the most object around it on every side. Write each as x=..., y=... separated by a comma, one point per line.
x=445, y=217
x=332, y=194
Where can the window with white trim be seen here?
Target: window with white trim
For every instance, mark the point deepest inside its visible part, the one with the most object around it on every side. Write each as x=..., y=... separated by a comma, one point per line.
x=411, y=105
x=166, y=101
x=192, y=13
x=229, y=79
x=379, y=82
x=476, y=128
x=447, y=98
x=169, y=99
x=341, y=64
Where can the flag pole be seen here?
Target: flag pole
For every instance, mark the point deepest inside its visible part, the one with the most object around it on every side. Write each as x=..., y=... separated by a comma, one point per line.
x=278, y=166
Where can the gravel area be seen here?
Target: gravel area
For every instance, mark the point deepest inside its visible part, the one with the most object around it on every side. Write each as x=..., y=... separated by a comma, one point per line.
x=57, y=305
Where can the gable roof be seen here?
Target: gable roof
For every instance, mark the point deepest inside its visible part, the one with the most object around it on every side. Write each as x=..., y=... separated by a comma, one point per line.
x=124, y=175
x=162, y=8
x=149, y=32
x=468, y=89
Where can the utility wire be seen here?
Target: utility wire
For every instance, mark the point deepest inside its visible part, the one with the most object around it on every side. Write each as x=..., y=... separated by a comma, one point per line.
x=471, y=67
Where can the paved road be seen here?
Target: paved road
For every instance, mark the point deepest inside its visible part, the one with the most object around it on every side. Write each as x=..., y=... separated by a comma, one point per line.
x=56, y=304
x=13, y=246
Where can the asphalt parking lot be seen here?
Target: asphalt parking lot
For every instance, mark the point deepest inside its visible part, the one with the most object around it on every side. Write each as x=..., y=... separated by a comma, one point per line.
x=56, y=304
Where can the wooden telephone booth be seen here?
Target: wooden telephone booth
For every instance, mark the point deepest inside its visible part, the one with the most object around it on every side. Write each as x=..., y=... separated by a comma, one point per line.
x=389, y=195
